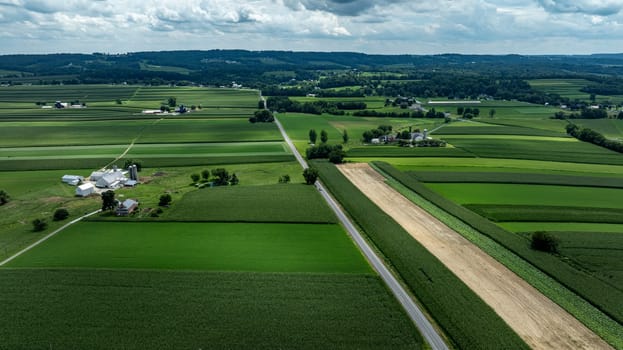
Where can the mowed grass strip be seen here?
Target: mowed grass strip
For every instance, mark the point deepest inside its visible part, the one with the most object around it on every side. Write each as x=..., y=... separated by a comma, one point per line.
x=120, y=309
x=497, y=212
x=527, y=226
x=199, y=246
x=270, y=203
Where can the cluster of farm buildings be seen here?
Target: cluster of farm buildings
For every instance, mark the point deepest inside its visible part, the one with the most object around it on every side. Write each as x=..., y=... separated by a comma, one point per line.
x=105, y=179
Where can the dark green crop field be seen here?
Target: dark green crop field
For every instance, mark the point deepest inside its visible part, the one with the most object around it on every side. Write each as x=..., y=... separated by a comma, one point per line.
x=199, y=246
x=517, y=178
x=104, y=309
x=271, y=203
x=575, y=152
x=544, y=213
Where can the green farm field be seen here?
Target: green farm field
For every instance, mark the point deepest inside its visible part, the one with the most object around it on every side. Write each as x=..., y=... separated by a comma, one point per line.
x=28, y=134
x=123, y=309
x=560, y=226
x=199, y=246
x=538, y=149
x=518, y=194
x=269, y=203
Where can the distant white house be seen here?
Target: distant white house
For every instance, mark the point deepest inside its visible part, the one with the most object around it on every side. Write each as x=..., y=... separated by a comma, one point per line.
x=85, y=189
x=73, y=180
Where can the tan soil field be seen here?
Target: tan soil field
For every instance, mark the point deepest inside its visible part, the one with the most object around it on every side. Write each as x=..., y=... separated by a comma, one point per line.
x=540, y=322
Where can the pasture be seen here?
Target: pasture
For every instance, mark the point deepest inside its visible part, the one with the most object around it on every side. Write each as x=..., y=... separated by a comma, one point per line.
x=199, y=246
x=124, y=309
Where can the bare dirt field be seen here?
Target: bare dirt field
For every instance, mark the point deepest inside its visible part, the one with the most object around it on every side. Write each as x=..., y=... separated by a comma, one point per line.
x=535, y=318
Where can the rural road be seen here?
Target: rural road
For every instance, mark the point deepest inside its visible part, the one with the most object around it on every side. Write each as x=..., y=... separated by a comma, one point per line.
x=46, y=237
x=424, y=326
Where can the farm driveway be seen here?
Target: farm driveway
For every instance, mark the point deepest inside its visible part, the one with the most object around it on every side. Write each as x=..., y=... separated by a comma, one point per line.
x=535, y=318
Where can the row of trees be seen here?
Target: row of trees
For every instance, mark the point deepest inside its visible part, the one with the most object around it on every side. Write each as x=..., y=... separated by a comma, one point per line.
x=586, y=113
x=220, y=177
x=284, y=104
x=594, y=137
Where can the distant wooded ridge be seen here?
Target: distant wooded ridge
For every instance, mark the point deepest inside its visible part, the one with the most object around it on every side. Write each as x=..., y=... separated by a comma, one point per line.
x=357, y=72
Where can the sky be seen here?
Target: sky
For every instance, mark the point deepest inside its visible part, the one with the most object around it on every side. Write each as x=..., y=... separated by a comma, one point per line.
x=369, y=26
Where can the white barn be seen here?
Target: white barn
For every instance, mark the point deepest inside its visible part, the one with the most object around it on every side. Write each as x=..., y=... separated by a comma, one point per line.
x=85, y=189
x=73, y=180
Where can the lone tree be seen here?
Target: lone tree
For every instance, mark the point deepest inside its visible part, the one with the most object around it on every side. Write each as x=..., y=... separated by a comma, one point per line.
x=544, y=242
x=284, y=179
x=324, y=137
x=172, y=101
x=262, y=116
x=108, y=200
x=233, y=180
x=60, y=214
x=205, y=174
x=165, y=200
x=39, y=225
x=310, y=175
x=4, y=197
x=221, y=175
x=195, y=177
x=491, y=113
x=313, y=136
x=345, y=136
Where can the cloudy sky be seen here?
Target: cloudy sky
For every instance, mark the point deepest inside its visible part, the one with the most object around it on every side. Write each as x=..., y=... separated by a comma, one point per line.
x=371, y=26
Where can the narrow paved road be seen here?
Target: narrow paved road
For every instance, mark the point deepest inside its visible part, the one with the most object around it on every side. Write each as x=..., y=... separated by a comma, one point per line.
x=6, y=261
x=425, y=327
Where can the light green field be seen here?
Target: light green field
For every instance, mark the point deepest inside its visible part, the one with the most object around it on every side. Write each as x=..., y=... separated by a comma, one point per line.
x=199, y=246
x=560, y=226
x=520, y=194
x=610, y=128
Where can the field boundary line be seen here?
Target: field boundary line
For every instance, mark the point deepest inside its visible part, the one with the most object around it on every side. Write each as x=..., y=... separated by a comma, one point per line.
x=46, y=237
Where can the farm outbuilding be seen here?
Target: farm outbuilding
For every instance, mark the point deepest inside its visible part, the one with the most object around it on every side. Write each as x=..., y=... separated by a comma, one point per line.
x=127, y=207
x=73, y=180
x=85, y=189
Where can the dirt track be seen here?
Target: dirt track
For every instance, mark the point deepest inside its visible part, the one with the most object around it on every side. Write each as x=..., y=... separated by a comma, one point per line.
x=536, y=319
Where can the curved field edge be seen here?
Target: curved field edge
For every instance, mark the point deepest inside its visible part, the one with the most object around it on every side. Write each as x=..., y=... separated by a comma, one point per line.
x=146, y=309
x=592, y=317
x=465, y=318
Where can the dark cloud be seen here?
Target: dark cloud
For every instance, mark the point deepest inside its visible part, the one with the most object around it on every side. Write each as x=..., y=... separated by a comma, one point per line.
x=340, y=7
x=592, y=7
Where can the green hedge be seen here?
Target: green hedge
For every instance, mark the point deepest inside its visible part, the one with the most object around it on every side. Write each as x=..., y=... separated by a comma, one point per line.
x=605, y=297
x=464, y=317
